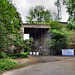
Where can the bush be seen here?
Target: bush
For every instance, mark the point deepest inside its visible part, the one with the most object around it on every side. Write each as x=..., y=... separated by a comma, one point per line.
x=22, y=54
x=22, y=44
x=58, y=42
x=6, y=64
x=56, y=34
x=59, y=39
x=19, y=55
x=0, y=72
x=55, y=25
x=70, y=26
x=3, y=55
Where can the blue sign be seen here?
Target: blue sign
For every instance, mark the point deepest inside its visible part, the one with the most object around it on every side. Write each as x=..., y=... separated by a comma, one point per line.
x=68, y=52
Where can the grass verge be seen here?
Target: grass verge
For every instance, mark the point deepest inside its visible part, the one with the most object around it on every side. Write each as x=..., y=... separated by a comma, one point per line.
x=6, y=64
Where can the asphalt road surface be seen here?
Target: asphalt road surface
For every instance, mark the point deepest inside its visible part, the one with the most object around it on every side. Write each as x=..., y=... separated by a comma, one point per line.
x=60, y=66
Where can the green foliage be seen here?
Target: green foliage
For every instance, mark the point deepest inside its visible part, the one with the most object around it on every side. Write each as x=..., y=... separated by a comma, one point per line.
x=59, y=40
x=70, y=26
x=6, y=64
x=10, y=32
x=19, y=55
x=58, y=4
x=21, y=44
x=57, y=34
x=0, y=72
x=55, y=25
x=70, y=5
x=23, y=55
x=10, y=22
x=39, y=14
x=9, y=16
x=3, y=43
x=28, y=44
x=3, y=55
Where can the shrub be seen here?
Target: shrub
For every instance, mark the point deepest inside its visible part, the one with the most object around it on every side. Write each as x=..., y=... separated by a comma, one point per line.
x=59, y=39
x=22, y=54
x=28, y=44
x=6, y=64
x=56, y=34
x=3, y=55
x=22, y=44
x=55, y=25
x=70, y=26
x=0, y=72
x=19, y=55
x=58, y=42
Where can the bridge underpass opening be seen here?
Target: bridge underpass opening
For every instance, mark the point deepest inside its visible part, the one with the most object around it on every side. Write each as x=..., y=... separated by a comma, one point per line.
x=40, y=36
x=34, y=32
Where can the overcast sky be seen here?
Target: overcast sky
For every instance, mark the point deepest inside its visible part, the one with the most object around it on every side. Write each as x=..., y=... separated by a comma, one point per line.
x=24, y=5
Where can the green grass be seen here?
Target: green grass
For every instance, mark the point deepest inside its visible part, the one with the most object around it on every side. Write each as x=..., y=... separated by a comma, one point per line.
x=0, y=72
x=6, y=64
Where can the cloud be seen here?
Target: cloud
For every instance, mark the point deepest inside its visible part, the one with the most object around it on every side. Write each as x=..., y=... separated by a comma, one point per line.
x=49, y=4
x=24, y=5
x=64, y=14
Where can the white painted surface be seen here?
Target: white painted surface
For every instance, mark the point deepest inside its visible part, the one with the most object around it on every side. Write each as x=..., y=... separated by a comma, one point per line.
x=68, y=52
x=26, y=36
x=34, y=53
x=37, y=53
x=31, y=53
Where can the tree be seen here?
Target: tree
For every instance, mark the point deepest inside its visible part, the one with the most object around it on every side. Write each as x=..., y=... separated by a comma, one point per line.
x=10, y=22
x=39, y=14
x=58, y=4
x=70, y=5
x=58, y=38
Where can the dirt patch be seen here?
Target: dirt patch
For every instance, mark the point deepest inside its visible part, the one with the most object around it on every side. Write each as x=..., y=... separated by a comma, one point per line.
x=41, y=59
x=26, y=60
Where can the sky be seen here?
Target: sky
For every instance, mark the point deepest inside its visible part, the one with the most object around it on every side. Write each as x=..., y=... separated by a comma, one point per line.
x=23, y=7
